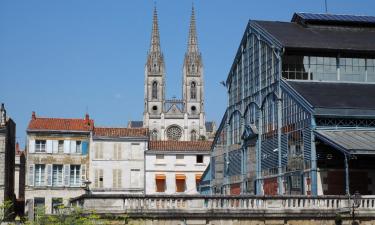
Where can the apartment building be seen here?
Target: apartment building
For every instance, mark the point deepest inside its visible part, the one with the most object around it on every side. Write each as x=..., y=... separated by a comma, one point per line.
x=176, y=167
x=57, y=160
x=117, y=160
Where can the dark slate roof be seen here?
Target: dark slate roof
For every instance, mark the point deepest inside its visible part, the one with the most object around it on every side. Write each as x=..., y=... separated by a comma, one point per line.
x=333, y=19
x=335, y=98
x=349, y=141
x=210, y=126
x=329, y=38
x=135, y=124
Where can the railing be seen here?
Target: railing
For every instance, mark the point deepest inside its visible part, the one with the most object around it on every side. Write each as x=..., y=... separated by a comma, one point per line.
x=241, y=206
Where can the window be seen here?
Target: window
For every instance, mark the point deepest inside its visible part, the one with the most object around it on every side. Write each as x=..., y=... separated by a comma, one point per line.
x=56, y=203
x=160, y=159
x=193, y=90
x=57, y=175
x=117, y=154
x=180, y=183
x=75, y=173
x=60, y=146
x=98, y=182
x=136, y=152
x=39, y=206
x=295, y=182
x=117, y=183
x=160, y=185
x=174, y=133
x=179, y=159
x=98, y=151
x=154, y=90
x=199, y=158
x=40, y=170
x=154, y=135
x=40, y=145
x=193, y=135
x=353, y=69
x=78, y=147
x=135, y=177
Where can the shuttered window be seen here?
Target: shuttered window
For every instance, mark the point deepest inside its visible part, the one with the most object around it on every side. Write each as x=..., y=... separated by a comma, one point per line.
x=135, y=177
x=180, y=185
x=60, y=147
x=98, y=182
x=117, y=148
x=136, y=151
x=98, y=151
x=160, y=185
x=117, y=182
x=40, y=145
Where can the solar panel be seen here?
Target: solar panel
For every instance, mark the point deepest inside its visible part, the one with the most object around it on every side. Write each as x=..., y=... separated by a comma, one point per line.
x=312, y=17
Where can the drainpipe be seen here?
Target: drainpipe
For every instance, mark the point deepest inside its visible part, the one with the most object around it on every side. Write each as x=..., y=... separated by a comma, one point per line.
x=260, y=124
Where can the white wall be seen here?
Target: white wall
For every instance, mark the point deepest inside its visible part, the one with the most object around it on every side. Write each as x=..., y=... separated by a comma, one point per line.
x=170, y=168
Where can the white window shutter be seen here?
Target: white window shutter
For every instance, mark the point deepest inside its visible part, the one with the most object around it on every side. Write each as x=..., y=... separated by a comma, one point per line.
x=31, y=146
x=67, y=175
x=55, y=146
x=73, y=145
x=67, y=146
x=31, y=175
x=83, y=174
x=49, y=175
x=49, y=146
x=119, y=178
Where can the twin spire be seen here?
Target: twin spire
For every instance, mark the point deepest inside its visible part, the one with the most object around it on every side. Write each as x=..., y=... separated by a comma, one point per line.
x=192, y=40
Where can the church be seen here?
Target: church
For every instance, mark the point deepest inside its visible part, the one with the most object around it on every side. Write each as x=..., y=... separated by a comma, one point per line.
x=175, y=119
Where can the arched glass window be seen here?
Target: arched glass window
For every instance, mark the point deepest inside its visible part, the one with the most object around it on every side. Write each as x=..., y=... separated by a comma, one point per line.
x=155, y=90
x=193, y=135
x=193, y=90
x=154, y=135
x=235, y=128
x=174, y=133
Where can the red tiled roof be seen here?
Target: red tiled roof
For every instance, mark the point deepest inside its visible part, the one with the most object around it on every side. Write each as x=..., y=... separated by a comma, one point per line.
x=180, y=145
x=120, y=132
x=60, y=124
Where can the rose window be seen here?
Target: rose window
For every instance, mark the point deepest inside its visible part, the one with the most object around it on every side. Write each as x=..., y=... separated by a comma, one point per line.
x=174, y=133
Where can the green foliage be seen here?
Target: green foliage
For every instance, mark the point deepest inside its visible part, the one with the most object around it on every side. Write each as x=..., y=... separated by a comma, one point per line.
x=6, y=210
x=74, y=216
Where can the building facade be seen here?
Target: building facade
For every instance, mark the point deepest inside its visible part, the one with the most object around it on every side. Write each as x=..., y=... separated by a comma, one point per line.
x=20, y=179
x=117, y=160
x=300, y=116
x=173, y=119
x=175, y=167
x=57, y=161
x=7, y=157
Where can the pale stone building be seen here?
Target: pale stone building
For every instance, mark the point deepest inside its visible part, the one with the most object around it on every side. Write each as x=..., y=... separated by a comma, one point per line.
x=57, y=158
x=174, y=119
x=117, y=160
x=7, y=156
x=175, y=167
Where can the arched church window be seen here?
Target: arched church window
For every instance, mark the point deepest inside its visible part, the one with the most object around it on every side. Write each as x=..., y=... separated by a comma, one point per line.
x=193, y=90
x=154, y=135
x=193, y=135
x=174, y=132
x=155, y=90
x=193, y=68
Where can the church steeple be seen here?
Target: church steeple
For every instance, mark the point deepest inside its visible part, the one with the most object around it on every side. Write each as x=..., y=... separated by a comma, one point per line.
x=193, y=40
x=155, y=37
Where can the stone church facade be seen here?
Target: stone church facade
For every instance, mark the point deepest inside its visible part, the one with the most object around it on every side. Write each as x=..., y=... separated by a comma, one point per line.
x=174, y=119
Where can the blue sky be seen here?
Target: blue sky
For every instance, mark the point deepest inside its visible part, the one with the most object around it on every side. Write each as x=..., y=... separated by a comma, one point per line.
x=60, y=58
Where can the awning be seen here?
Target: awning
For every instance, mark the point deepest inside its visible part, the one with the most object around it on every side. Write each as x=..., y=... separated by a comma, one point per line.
x=180, y=177
x=349, y=141
x=198, y=177
x=160, y=177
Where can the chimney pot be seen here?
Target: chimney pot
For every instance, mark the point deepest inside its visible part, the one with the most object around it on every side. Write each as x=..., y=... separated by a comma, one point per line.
x=87, y=118
x=33, y=115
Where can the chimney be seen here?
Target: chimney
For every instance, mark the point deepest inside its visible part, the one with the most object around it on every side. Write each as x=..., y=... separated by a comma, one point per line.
x=3, y=115
x=17, y=147
x=87, y=119
x=33, y=116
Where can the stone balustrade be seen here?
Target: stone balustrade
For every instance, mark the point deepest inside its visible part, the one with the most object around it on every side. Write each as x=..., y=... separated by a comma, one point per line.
x=198, y=206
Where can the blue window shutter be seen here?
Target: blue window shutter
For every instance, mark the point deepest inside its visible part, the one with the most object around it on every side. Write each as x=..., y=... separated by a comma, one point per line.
x=85, y=146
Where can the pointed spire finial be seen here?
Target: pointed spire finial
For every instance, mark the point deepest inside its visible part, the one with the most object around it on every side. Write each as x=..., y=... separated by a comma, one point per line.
x=193, y=40
x=155, y=38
